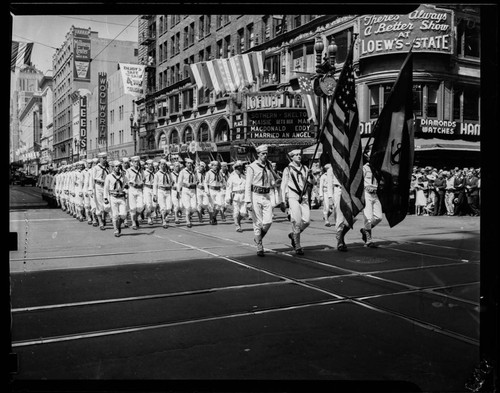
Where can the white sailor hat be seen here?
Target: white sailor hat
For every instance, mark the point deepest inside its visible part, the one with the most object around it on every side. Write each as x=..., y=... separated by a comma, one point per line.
x=149, y=162
x=188, y=160
x=95, y=159
x=261, y=149
x=214, y=162
x=135, y=158
x=294, y=152
x=102, y=155
x=202, y=163
x=125, y=159
x=328, y=166
x=115, y=163
x=238, y=164
x=223, y=163
x=163, y=161
x=89, y=160
x=155, y=163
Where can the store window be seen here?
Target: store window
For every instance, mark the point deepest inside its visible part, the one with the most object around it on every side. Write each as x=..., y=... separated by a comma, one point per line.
x=432, y=101
x=418, y=99
x=304, y=58
x=221, y=131
x=342, y=41
x=374, y=101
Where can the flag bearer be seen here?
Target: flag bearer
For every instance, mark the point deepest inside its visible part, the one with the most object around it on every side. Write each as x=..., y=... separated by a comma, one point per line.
x=295, y=186
x=213, y=188
x=258, y=184
x=149, y=204
x=372, y=212
x=334, y=195
x=201, y=194
x=235, y=194
x=135, y=178
x=115, y=185
x=186, y=185
x=162, y=191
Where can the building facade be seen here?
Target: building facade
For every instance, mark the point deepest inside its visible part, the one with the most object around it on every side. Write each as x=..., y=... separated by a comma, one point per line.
x=46, y=144
x=77, y=64
x=176, y=117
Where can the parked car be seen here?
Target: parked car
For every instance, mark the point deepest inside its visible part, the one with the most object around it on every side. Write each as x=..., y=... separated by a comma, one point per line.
x=28, y=180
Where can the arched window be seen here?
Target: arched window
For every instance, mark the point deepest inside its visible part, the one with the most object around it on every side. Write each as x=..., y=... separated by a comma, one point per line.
x=203, y=133
x=221, y=131
x=174, y=137
x=188, y=135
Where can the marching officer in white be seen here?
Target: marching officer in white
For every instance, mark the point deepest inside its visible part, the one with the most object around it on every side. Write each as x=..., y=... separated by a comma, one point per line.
x=213, y=188
x=186, y=185
x=135, y=178
x=125, y=166
x=295, y=186
x=235, y=194
x=323, y=192
x=115, y=185
x=85, y=190
x=334, y=194
x=99, y=175
x=201, y=194
x=79, y=189
x=372, y=212
x=259, y=181
x=149, y=204
x=162, y=191
x=91, y=192
x=176, y=195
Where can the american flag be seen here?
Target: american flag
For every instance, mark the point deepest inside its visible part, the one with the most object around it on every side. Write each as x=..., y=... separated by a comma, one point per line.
x=342, y=142
x=304, y=85
x=21, y=54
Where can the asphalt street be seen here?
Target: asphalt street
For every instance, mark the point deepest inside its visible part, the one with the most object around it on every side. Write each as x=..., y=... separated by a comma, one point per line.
x=198, y=304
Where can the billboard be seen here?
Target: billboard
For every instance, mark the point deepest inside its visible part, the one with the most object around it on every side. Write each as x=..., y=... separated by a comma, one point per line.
x=428, y=27
x=81, y=55
x=102, y=106
x=132, y=78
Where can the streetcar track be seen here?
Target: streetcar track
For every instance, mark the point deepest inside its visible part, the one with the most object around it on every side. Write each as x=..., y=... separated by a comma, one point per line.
x=358, y=300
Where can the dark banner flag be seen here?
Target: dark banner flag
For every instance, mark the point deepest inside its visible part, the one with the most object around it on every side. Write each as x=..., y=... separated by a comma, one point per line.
x=341, y=142
x=391, y=157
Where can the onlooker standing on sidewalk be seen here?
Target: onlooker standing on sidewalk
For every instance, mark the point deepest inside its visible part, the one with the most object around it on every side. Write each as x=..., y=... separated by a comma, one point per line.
x=459, y=200
x=472, y=192
x=450, y=192
x=439, y=189
x=420, y=197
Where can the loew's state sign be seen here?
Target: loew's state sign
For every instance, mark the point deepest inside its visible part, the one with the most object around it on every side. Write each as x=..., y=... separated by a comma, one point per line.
x=428, y=27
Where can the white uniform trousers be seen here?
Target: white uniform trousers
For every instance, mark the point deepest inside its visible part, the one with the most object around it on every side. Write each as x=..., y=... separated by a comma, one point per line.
x=202, y=199
x=99, y=200
x=78, y=199
x=176, y=201
x=275, y=196
x=300, y=214
x=373, y=210
x=147, y=197
x=239, y=205
x=135, y=200
x=118, y=207
x=262, y=213
x=164, y=200
x=339, y=216
x=215, y=199
x=189, y=200
x=326, y=203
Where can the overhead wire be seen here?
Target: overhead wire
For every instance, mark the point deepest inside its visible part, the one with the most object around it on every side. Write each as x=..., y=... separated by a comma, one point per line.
x=109, y=43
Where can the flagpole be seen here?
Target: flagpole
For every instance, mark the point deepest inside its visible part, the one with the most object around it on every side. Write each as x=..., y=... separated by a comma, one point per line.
x=330, y=106
x=365, y=150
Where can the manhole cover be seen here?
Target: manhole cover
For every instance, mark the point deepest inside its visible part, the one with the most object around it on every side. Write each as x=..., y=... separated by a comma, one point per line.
x=366, y=260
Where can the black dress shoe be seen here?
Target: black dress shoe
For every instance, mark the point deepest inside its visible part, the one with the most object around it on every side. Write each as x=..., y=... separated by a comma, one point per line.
x=260, y=253
x=363, y=234
x=290, y=236
x=299, y=251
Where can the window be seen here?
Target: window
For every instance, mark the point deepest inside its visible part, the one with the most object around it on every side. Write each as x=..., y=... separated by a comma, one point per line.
x=174, y=137
x=240, y=46
x=186, y=37
x=374, y=101
x=303, y=58
x=220, y=50
x=250, y=36
x=432, y=101
x=218, y=21
x=203, y=133
x=471, y=103
x=272, y=70
x=468, y=38
x=227, y=46
x=191, y=34
x=188, y=135
x=173, y=101
x=204, y=96
x=417, y=99
x=343, y=41
x=187, y=99
x=297, y=21
x=208, y=23
x=266, y=29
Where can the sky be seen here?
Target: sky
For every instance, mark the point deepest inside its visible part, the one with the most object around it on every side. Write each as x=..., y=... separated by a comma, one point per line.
x=48, y=32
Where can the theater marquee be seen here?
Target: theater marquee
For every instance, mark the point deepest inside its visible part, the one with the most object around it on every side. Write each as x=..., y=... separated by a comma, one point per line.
x=429, y=27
